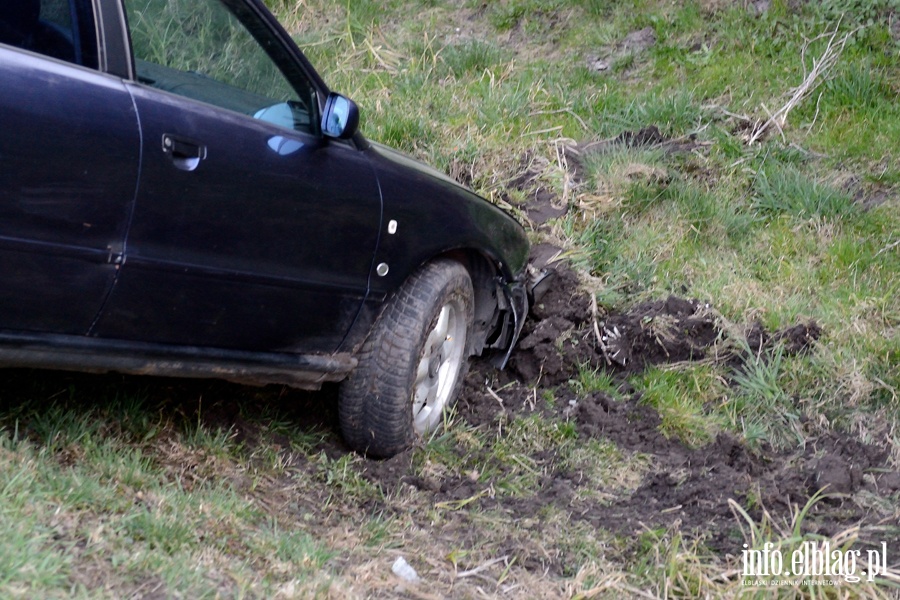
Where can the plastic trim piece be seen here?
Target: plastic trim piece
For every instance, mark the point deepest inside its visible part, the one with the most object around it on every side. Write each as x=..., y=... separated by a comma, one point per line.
x=517, y=298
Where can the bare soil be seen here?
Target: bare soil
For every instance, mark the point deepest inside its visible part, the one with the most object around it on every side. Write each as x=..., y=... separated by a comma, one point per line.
x=686, y=486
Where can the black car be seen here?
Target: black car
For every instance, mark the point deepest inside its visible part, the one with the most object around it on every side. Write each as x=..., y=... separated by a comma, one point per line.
x=181, y=194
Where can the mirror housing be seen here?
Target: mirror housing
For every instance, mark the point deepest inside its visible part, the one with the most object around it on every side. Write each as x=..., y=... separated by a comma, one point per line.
x=340, y=119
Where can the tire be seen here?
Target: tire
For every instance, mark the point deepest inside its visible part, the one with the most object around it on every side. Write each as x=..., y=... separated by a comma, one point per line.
x=412, y=364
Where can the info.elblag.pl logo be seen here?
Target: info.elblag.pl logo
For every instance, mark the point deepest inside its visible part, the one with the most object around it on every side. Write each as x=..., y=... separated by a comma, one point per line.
x=812, y=563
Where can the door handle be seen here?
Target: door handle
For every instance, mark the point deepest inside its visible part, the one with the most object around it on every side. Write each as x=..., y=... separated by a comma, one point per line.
x=184, y=153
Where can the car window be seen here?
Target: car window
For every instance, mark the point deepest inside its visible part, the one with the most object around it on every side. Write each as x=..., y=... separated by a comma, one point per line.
x=221, y=53
x=62, y=29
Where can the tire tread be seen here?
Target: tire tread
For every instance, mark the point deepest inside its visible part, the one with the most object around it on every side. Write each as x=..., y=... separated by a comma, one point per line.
x=375, y=402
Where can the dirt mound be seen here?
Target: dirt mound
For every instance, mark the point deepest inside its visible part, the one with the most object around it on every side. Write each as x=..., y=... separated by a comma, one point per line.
x=688, y=487
x=795, y=339
x=566, y=332
x=648, y=136
x=632, y=426
x=664, y=331
x=555, y=341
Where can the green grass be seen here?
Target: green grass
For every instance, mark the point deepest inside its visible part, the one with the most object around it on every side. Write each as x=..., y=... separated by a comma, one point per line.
x=112, y=488
x=681, y=398
x=779, y=232
x=761, y=408
x=786, y=190
x=107, y=493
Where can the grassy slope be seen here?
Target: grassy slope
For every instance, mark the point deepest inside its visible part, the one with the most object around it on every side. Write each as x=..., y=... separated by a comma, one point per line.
x=112, y=489
x=775, y=232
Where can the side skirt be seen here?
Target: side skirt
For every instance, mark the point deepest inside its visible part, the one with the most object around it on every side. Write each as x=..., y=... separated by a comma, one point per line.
x=75, y=353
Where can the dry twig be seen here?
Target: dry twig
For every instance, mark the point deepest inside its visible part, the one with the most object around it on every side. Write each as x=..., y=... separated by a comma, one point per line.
x=811, y=80
x=888, y=248
x=595, y=313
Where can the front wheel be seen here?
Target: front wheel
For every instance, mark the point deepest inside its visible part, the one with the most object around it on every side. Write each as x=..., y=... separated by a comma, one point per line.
x=412, y=365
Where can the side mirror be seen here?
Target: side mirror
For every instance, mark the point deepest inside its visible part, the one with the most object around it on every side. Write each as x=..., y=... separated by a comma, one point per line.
x=340, y=118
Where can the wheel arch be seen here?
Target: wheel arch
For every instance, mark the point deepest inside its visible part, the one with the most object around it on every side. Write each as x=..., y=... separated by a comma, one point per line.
x=496, y=317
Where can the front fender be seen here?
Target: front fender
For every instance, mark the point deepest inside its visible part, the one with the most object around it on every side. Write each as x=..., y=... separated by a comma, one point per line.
x=427, y=214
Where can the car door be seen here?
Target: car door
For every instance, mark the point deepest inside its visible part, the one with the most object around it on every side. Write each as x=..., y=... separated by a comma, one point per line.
x=250, y=230
x=69, y=151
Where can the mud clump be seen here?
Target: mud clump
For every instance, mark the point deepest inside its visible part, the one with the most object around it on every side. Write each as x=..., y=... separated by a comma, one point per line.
x=631, y=425
x=553, y=341
x=648, y=136
x=565, y=334
x=837, y=464
x=665, y=331
x=795, y=340
x=799, y=338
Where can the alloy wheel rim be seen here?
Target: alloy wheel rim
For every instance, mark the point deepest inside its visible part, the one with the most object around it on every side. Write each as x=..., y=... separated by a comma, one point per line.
x=438, y=368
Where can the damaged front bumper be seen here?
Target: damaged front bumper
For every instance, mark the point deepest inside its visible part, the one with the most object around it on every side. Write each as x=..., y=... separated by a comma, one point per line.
x=518, y=296
x=515, y=310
